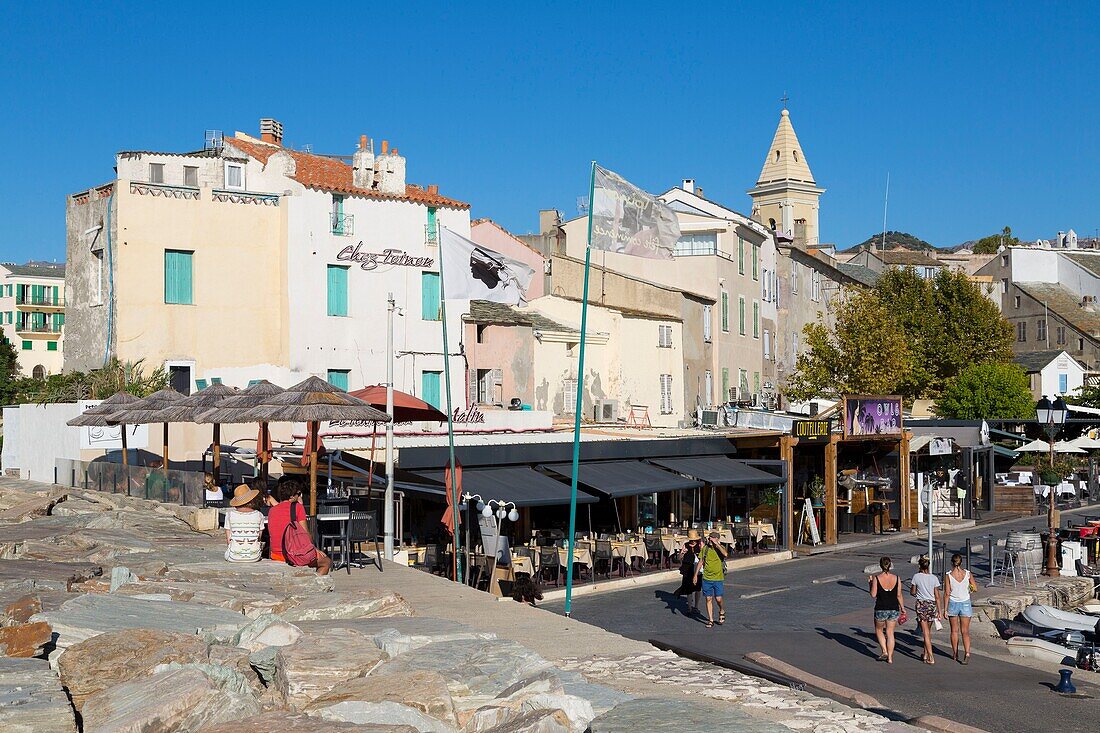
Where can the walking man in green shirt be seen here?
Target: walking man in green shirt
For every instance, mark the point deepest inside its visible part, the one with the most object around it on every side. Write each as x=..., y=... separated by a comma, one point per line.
x=711, y=563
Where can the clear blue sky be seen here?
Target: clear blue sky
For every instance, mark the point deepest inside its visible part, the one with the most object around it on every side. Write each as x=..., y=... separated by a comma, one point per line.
x=984, y=116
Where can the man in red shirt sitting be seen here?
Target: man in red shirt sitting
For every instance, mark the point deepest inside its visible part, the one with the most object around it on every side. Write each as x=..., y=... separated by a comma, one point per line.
x=289, y=493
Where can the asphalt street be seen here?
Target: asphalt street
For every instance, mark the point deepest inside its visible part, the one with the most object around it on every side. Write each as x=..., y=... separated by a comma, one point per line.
x=825, y=628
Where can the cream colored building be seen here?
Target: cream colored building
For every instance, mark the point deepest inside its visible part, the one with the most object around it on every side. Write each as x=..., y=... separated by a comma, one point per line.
x=32, y=313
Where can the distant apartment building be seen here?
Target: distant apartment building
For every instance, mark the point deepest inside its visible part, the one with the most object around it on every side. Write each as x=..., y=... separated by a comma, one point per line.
x=248, y=259
x=32, y=313
x=1050, y=298
x=878, y=261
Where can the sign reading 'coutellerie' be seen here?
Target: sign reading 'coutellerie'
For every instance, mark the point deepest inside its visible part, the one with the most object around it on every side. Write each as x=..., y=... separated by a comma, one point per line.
x=387, y=257
x=811, y=431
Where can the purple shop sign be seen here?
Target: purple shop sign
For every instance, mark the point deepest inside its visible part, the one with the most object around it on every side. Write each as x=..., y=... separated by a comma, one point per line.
x=870, y=416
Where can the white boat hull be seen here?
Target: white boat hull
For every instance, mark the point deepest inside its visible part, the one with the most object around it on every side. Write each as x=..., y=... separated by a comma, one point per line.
x=1044, y=651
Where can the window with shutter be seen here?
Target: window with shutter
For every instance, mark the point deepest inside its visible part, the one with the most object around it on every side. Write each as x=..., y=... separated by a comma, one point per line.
x=708, y=386
x=767, y=344
x=725, y=311
x=666, y=394
x=726, y=385
x=706, y=323
x=177, y=276
x=755, y=262
x=741, y=255
x=339, y=378
x=429, y=388
x=741, y=315
x=471, y=388
x=433, y=226
x=337, y=290
x=569, y=390
x=664, y=336
x=756, y=319
x=429, y=296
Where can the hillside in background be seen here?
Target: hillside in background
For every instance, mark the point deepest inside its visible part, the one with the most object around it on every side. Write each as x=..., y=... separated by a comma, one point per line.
x=895, y=240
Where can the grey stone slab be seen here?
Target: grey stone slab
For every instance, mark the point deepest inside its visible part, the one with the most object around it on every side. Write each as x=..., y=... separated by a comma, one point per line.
x=318, y=663
x=285, y=722
x=32, y=699
x=656, y=715
x=398, y=635
x=174, y=700
x=389, y=712
x=88, y=615
x=340, y=605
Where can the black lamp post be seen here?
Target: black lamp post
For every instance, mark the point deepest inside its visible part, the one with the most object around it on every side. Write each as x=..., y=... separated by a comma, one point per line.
x=1052, y=416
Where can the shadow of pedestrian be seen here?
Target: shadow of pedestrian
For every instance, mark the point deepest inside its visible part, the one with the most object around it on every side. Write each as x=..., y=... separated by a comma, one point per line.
x=674, y=603
x=852, y=642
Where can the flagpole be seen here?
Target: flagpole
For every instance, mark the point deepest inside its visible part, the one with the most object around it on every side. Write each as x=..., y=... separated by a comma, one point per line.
x=450, y=417
x=579, y=405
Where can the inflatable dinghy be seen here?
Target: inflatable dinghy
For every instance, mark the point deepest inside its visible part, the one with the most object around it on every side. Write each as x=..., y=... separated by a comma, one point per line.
x=1048, y=617
x=1043, y=650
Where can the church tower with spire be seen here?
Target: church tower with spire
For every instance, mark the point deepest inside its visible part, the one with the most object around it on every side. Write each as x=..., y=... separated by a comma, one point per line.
x=786, y=197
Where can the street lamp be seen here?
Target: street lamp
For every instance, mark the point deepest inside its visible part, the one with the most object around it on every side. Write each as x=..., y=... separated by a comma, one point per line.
x=503, y=510
x=1052, y=416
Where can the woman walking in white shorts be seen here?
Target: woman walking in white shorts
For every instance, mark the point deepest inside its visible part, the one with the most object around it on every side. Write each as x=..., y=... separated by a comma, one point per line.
x=959, y=583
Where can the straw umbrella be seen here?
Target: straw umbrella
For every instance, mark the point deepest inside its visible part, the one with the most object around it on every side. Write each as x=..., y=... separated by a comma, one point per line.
x=145, y=411
x=233, y=410
x=189, y=408
x=311, y=401
x=96, y=417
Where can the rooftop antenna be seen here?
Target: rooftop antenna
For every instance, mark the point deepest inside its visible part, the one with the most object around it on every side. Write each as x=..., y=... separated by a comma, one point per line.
x=885, y=205
x=214, y=141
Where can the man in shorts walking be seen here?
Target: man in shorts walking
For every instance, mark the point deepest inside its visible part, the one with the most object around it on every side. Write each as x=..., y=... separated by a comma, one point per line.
x=711, y=564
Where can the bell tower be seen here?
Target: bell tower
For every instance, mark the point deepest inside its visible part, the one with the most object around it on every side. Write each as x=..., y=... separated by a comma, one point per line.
x=786, y=197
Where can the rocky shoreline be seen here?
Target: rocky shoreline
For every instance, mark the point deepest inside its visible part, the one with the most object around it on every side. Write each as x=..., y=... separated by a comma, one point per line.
x=119, y=615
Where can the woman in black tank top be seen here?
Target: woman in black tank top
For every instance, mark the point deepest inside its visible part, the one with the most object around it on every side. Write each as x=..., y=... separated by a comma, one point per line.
x=886, y=590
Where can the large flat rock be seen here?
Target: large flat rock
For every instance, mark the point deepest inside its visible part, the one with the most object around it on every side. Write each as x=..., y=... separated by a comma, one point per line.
x=115, y=657
x=341, y=605
x=317, y=663
x=284, y=722
x=386, y=712
x=90, y=614
x=32, y=699
x=677, y=716
x=55, y=576
x=423, y=691
x=398, y=635
x=184, y=700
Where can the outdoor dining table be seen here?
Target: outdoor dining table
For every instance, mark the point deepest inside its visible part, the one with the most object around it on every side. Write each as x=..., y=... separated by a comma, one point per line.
x=581, y=555
x=416, y=553
x=345, y=545
x=521, y=564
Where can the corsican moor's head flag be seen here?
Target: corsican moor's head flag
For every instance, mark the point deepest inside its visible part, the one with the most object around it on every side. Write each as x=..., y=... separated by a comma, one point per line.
x=474, y=272
x=628, y=220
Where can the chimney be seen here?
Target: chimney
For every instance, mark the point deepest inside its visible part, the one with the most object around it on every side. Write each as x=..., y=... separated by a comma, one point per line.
x=271, y=131
x=689, y=185
x=390, y=172
x=699, y=191
x=433, y=189
x=549, y=221
x=362, y=164
x=385, y=147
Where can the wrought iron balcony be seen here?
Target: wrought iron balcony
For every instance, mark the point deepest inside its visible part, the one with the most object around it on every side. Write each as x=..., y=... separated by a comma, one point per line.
x=30, y=327
x=431, y=235
x=343, y=225
x=39, y=301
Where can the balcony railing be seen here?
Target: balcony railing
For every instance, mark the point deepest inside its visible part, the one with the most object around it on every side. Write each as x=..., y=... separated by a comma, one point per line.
x=27, y=327
x=431, y=235
x=343, y=225
x=44, y=301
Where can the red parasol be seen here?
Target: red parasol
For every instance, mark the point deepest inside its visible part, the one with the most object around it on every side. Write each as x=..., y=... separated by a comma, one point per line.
x=449, y=516
x=406, y=408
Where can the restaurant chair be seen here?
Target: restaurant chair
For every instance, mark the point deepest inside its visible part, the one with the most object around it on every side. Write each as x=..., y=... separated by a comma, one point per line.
x=363, y=528
x=548, y=563
x=603, y=555
x=656, y=551
x=329, y=533
x=523, y=551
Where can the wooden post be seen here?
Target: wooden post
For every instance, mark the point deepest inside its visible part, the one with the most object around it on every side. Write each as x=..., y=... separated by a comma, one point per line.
x=165, y=450
x=125, y=458
x=830, y=489
x=263, y=463
x=786, y=453
x=311, y=434
x=905, y=514
x=217, y=454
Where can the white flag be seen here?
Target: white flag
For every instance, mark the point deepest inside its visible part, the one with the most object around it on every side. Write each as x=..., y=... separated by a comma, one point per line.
x=472, y=271
x=628, y=220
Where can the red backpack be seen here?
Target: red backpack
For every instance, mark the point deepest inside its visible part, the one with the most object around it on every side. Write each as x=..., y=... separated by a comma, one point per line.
x=298, y=549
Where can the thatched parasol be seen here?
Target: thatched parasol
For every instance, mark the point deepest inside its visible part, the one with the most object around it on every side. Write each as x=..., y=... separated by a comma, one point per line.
x=311, y=401
x=147, y=410
x=233, y=410
x=189, y=408
x=96, y=417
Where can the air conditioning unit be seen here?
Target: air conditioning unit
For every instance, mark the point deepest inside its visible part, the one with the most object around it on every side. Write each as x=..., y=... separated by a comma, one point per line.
x=756, y=400
x=710, y=418
x=735, y=394
x=606, y=411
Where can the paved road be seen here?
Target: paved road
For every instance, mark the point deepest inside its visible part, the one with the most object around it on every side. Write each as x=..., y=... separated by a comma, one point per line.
x=825, y=628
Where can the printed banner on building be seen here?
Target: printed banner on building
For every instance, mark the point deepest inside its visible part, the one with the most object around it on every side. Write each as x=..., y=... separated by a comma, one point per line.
x=474, y=272
x=871, y=416
x=109, y=437
x=628, y=220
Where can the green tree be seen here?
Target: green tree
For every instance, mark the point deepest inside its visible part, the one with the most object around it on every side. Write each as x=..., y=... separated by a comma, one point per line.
x=989, y=245
x=866, y=352
x=948, y=324
x=987, y=390
x=9, y=371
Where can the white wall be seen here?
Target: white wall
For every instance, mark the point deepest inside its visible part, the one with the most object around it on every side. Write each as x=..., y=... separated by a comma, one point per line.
x=35, y=435
x=1049, y=376
x=1034, y=265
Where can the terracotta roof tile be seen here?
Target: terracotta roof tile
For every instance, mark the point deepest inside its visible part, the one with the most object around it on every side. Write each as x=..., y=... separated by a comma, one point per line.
x=329, y=174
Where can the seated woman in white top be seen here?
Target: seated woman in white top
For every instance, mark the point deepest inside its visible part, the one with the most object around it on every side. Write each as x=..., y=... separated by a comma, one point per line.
x=243, y=525
x=212, y=491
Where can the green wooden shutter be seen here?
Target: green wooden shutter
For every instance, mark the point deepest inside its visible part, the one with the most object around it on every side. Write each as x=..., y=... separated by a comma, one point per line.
x=431, y=225
x=337, y=290
x=429, y=388
x=755, y=262
x=177, y=277
x=725, y=384
x=57, y=321
x=429, y=296
x=741, y=316
x=55, y=295
x=338, y=378
x=741, y=255
x=51, y=346
x=755, y=320
x=725, y=311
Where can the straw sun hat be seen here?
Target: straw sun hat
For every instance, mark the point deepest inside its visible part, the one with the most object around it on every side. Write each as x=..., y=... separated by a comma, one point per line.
x=242, y=495
x=693, y=534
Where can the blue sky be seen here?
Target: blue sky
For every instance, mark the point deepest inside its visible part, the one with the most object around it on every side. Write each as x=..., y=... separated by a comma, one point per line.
x=984, y=115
